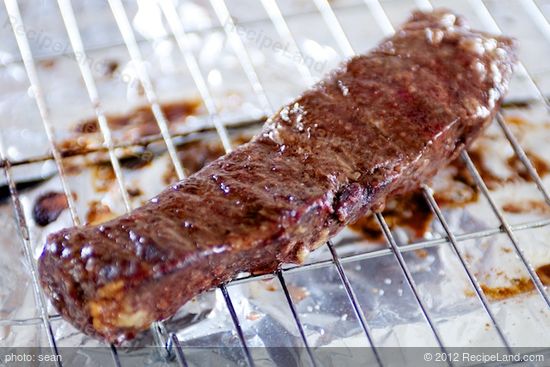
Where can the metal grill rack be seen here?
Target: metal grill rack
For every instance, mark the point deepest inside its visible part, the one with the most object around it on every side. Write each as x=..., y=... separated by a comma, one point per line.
x=169, y=341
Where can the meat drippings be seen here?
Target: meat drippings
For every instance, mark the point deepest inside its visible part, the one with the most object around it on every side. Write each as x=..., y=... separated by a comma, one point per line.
x=141, y=121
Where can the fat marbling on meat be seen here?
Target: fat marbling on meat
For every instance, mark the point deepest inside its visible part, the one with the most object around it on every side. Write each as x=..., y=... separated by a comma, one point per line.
x=381, y=124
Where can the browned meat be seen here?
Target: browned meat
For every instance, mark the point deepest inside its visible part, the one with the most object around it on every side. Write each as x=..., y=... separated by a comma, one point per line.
x=380, y=125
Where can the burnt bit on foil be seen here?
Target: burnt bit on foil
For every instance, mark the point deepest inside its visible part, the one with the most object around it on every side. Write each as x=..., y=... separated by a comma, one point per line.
x=48, y=207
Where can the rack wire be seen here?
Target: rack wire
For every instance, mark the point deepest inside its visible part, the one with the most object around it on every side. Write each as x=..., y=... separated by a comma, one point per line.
x=169, y=342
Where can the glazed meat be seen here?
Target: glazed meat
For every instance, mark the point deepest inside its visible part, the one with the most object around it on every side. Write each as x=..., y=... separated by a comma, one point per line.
x=381, y=124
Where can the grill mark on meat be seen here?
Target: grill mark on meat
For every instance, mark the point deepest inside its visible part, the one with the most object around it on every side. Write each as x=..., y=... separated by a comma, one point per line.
x=408, y=108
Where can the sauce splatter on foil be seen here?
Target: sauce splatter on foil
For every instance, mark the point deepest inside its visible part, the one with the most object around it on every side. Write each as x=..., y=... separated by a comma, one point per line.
x=141, y=121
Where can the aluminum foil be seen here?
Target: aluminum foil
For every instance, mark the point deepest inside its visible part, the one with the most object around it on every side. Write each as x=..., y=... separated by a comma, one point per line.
x=324, y=308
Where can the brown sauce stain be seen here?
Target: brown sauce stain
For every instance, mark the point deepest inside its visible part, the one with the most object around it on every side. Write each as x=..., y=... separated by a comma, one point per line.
x=527, y=206
x=517, y=287
x=109, y=68
x=410, y=211
x=464, y=190
x=469, y=293
x=196, y=155
x=520, y=173
x=136, y=124
x=544, y=274
x=539, y=164
x=491, y=180
x=516, y=120
x=98, y=213
x=141, y=121
x=48, y=207
x=103, y=177
x=521, y=123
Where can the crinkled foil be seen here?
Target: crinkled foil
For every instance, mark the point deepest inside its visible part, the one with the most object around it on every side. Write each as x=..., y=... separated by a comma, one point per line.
x=324, y=308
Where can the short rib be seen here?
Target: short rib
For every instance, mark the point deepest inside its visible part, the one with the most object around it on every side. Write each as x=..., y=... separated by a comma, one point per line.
x=381, y=124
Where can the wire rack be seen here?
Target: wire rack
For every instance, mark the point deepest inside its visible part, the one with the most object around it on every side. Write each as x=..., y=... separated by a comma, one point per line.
x=169, y=341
